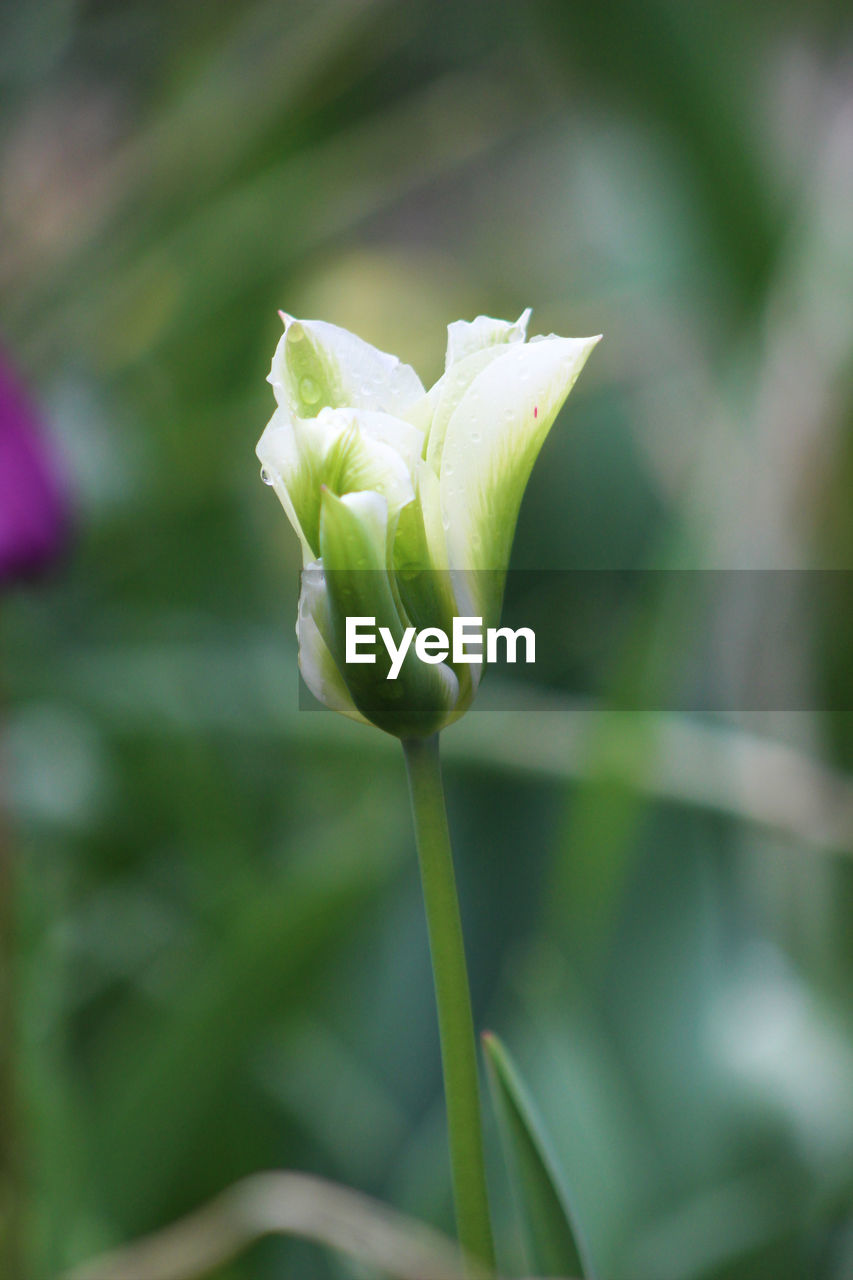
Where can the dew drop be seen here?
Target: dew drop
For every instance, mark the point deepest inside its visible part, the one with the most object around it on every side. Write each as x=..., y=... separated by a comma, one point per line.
x=475, y=437
x=265, y=476
x=366, y=388
x=309, y=391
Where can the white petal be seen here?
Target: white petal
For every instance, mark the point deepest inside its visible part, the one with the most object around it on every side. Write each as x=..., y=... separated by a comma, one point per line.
x=318, y=667
x=470, y=347
x=338, y=369
x=362, y=457
x=465, y=337
x=429, y=497
x=348, y=451
x=449, y=392
x=405, y=439
x=492, y=441
x=284, y=468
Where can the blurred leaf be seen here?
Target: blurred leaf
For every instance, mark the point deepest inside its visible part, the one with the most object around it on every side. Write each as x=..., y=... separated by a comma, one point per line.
x=285, y=1204
x=556, y=1244
x=161, y=1090
x=675, y=63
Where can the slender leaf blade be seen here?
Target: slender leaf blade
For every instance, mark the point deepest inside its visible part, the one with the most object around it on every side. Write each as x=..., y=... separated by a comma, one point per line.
x=555, y=1244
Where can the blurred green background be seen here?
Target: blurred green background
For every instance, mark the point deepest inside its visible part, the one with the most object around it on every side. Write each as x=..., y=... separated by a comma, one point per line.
x=222, y=962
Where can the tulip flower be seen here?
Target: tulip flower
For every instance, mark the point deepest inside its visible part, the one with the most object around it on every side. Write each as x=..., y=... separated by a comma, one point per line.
x=405, y=501
x=33, y=507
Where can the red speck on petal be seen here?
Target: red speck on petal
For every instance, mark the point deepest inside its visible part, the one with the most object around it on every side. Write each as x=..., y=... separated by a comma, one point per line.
x=536, y=411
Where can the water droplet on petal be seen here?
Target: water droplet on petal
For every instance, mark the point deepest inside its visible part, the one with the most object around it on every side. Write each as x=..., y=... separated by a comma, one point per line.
x=265, y=476
x=309, y=391
x=366, y=388
x=475, y=437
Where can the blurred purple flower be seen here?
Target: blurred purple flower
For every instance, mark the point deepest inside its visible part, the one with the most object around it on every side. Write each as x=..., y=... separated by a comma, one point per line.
x=33, y=506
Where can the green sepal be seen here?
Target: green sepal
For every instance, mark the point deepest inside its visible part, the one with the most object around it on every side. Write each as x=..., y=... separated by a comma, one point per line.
x=354, y=539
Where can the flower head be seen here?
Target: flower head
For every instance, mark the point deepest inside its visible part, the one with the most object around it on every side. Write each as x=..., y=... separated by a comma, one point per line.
x=33, y=506
x=405, y=501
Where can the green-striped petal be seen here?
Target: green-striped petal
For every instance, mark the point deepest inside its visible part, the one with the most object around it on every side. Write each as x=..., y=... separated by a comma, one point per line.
x=354, y=538
x=346, y=450
x=313, y=629
x=464, y=337
x=318, y=365
x=492, y=442
x=471, y=346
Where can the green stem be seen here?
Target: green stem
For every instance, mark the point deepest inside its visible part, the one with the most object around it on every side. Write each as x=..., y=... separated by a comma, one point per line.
x=11, y=1205
x=455, y=1023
